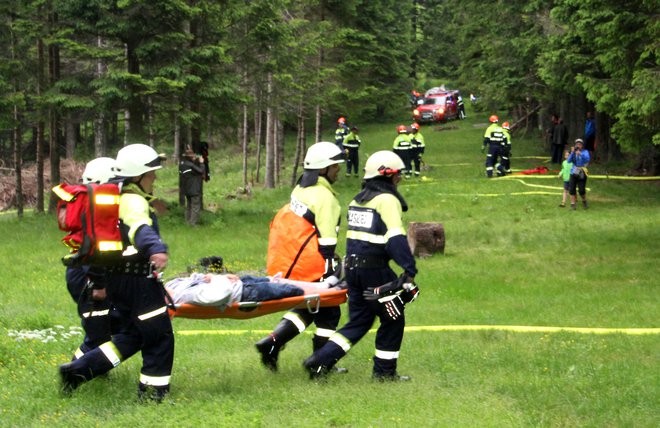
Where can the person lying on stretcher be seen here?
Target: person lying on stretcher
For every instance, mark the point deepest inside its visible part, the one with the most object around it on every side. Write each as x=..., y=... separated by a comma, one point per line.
x=224, y=289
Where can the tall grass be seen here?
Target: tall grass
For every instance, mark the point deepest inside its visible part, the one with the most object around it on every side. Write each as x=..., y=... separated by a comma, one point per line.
x=512, y=258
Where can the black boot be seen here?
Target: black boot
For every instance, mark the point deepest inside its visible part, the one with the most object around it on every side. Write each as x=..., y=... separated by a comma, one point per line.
x=71, y=377
x=317, y=343
x=390, y=377
x=315, y=370
x=269, y=347
x=148, y=393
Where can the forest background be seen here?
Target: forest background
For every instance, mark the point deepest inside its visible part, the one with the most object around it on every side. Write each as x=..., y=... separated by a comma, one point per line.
x=79, y=79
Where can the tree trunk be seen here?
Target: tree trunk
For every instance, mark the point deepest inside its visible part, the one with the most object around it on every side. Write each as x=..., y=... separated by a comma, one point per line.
x=99, y=134
x=607, y=149
x=150, y=125
x=258, y=116
x=269, y=179
x=127, y=127
x=317, y=123
x=18, y=162
x=300, y=145
x=40, y=129
x=135, y=109
x=71, y=137
x=244, y=143
x=53, y=119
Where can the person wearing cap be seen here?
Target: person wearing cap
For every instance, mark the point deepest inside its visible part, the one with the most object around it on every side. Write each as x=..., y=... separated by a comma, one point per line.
x=375, y=236
x=191, y=176
x=301, y=246
x=494, y=141
x=351, y=146
x=341, y=132
x=577, y=183
x=402, y=147
x=134, y=286
x=418, y=148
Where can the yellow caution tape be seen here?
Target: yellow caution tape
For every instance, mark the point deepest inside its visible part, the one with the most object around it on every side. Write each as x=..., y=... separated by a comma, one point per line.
x=511, y=328
x=488, y=195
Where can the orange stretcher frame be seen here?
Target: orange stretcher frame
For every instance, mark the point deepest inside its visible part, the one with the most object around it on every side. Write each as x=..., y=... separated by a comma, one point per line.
x=313, y=299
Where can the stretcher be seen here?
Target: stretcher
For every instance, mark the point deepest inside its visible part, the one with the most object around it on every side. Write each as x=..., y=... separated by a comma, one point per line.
x=313, y=299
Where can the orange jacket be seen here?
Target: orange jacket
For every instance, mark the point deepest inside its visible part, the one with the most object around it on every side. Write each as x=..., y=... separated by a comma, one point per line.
x=293, y=248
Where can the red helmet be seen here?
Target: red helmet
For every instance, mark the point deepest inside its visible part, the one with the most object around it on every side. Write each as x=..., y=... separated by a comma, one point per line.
x=341, y=120
x=505, y=125
x=494, y=119
x=415, y=126
x=401, y=129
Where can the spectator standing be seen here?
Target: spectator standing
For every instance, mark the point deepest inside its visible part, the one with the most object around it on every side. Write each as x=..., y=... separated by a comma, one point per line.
x=580, y=158
x=590, y=133
x=192, y=172
x=559, y=140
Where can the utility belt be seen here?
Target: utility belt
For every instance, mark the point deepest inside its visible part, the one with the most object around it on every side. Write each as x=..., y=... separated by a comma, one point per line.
x=133, y=268
x=367, y=262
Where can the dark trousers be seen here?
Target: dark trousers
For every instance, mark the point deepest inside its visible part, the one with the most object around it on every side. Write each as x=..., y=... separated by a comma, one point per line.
x=147, y=328
x=491, y=158
x=97, y=317
x=557, y=153
x=352, y=160
x=506, y=159
x=193, y=208
x=417, y=159
x=362, y=314
x=405, y=156
x=576, y=185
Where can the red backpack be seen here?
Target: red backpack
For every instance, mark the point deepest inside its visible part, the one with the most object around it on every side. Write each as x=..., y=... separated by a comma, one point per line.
x=89, y=213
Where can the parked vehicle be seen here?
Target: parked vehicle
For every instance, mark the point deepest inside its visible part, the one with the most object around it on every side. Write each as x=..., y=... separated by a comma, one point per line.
x=437, y=107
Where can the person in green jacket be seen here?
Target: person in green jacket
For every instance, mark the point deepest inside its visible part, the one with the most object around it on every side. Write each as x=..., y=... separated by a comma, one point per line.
x=565, y=174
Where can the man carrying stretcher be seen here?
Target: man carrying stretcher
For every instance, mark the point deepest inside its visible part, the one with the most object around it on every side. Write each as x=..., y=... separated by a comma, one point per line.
x=301, y=245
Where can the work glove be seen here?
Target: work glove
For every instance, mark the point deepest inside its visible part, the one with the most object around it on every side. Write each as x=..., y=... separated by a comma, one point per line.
x=410, y=292
x=483, y=149
x=384, y=290
x=392, y=306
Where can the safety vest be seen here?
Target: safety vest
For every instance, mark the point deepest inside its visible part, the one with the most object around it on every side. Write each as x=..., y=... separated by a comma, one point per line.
x=402, y=142
x=293, y=246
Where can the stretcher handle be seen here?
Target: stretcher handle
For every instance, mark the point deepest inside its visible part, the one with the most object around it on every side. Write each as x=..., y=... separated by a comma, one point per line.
x=248, y=306
x=315, y=300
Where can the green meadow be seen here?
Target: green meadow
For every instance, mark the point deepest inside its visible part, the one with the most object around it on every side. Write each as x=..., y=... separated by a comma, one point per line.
x=512, y=258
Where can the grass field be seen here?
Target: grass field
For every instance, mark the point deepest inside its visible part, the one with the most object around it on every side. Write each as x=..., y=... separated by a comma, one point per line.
x=513, y=258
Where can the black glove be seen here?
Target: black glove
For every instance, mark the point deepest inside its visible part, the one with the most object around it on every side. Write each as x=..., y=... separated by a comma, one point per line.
x=410, y=292
x=393, y=306
x=385, y=289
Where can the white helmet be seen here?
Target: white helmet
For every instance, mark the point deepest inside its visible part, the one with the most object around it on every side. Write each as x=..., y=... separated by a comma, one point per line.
x=99, y=171
x=323, y=154
x=383, y=163
x=137, y=159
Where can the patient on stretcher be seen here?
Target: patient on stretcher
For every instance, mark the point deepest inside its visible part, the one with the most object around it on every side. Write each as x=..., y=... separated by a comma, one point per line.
x=222, y=290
